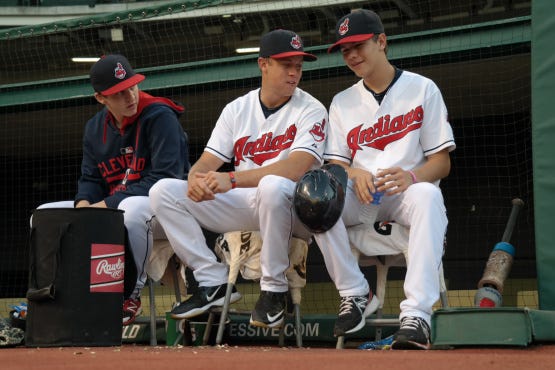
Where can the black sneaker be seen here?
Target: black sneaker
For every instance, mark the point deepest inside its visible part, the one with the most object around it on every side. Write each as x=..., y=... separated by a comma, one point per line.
x=353, y=312
x=202, y=300
x=414, y=333
x=269, y=311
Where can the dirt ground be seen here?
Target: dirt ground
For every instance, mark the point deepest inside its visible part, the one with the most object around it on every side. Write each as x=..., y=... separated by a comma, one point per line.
x=137, y=357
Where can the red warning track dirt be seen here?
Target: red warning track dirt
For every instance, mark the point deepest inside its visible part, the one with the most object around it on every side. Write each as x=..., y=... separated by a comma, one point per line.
x=136, y=357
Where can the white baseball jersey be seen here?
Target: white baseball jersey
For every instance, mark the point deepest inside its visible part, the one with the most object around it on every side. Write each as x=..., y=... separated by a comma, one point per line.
x=410, y=124
x=242, y=132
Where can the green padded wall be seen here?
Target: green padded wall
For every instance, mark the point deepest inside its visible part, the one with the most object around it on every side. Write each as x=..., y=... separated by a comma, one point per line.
x=543, y=138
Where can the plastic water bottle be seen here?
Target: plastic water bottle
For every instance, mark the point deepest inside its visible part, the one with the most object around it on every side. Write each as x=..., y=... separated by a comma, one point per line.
x=369, y=212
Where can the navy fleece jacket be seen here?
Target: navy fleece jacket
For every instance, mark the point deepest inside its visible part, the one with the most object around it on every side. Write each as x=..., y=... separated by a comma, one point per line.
x=124, y=162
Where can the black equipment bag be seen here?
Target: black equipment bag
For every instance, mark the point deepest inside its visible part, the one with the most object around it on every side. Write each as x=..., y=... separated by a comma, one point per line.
x=76, y=277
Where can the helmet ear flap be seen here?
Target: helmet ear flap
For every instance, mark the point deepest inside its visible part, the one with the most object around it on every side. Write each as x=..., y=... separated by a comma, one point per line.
x=320, y=197
x=338, y=172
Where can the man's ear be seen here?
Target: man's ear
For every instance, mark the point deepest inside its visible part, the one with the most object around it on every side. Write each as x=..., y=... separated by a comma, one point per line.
x=382, y=41
x=99, y=97
x=263, y=63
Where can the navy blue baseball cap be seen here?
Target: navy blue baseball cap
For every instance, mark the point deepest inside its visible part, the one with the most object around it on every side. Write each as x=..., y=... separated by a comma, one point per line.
x=112, y=74
x=359, y=25
x=279, y=44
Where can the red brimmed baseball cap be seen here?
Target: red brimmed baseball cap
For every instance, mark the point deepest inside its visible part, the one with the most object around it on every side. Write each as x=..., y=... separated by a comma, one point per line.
x=359, y=25
x=112, y=74
x=280, y=44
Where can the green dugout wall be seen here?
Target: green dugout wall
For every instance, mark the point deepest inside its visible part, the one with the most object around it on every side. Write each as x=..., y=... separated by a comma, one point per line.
x=543, y=137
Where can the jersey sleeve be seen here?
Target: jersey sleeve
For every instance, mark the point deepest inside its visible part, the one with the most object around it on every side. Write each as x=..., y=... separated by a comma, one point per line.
x=336, y=145
x=221, y=139
x=437, y=133
x=312, y=130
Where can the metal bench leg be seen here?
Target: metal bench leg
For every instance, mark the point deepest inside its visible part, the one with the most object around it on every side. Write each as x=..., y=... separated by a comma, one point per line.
x=281, y=337
x=186, y=336
x=298, y=326
x=225, y=310
x=340, y=342
x=296, y=301
x=208, y=328
x=442, y=288
x=153, y=339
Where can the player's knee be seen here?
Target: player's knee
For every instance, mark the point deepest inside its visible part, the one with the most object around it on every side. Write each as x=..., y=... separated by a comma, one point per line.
x=428, y=199
x=136, y=212
x=274, y=191
x=159, y=192
x=426, y=193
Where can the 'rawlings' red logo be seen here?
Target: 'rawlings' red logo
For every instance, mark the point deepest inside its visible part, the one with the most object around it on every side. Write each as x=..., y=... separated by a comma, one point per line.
x=113, y=270
x=385, y=131
x=317, y=131
x=344, y=27
x=264, y=148
x=107, y=268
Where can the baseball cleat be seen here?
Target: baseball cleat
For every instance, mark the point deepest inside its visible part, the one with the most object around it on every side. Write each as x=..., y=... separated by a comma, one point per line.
x=269, y=311
x=353, y=312
x=414, y=333
x=202, y=300
x=131, y=309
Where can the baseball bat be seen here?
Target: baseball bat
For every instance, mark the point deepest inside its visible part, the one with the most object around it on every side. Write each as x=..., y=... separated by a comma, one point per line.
x=499, y=264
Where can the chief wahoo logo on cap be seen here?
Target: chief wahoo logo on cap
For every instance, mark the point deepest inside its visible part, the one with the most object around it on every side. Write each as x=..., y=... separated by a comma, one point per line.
x=344, y=27
x=119, y=72
x=296, y=42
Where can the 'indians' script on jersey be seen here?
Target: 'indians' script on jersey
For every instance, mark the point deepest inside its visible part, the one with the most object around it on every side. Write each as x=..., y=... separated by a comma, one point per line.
x=385, y=131
x=264, y=148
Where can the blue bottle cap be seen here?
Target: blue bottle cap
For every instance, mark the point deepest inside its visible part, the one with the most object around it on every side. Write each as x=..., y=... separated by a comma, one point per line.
x=377, y=197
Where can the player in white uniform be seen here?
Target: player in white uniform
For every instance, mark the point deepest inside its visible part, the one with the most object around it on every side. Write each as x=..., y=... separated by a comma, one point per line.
x=390, y=130
x=273, y=134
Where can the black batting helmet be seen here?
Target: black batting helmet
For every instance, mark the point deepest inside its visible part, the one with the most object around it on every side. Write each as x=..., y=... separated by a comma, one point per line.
x=320, y=197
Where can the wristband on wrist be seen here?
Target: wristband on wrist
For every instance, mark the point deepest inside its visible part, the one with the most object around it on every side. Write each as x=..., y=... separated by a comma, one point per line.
x=413, y=177
x=232, y=179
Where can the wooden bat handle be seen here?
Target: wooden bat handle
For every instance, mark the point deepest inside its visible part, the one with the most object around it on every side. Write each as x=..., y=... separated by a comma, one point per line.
x=517, y=206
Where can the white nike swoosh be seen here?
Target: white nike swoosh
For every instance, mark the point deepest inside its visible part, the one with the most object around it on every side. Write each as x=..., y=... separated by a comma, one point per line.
x=275, y=317
x=211, y=297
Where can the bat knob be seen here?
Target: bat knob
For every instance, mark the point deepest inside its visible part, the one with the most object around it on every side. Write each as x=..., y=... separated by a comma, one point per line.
x=488, y=297
x=517, y=202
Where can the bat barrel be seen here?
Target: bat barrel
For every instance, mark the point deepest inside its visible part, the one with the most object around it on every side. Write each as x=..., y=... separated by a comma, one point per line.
x=498, y=266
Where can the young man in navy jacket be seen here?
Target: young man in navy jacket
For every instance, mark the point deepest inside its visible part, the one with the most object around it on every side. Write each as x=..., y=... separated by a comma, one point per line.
x=133, y=142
